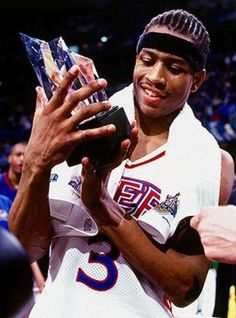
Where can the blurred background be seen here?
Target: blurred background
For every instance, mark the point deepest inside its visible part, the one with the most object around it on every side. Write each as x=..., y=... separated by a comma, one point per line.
x=107, y=32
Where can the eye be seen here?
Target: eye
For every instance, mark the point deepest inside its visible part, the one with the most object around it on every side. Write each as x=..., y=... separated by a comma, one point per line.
x=146, y=59
x=175, y=69
x=147, y=62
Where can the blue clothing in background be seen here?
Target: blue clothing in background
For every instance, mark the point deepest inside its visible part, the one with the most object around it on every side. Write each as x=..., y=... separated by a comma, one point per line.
x=6, y=187
x=5, y=205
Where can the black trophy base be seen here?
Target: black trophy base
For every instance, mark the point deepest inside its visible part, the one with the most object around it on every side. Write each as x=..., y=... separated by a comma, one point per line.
x=102, y=150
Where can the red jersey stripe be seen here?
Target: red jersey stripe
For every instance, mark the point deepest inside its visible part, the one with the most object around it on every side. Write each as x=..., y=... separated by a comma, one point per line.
x=131, y=166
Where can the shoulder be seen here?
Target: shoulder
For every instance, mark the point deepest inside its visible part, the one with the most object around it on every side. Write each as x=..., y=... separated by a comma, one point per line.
x=227, y=164
x=226, y=158
x=227, y=176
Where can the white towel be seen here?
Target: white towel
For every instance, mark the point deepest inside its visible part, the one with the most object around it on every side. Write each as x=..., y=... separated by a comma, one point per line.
x=193, y=158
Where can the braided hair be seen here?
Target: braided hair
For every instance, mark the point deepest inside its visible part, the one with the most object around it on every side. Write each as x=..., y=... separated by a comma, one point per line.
x=185, y=23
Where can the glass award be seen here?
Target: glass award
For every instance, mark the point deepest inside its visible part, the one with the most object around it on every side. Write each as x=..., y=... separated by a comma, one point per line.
x=50, y=61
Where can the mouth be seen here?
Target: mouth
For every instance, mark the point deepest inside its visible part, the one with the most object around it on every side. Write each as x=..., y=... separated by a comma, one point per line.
x=153, y=92
x=150, y=93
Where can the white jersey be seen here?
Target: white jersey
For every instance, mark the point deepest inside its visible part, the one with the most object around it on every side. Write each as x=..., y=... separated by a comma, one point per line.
x=88, y=276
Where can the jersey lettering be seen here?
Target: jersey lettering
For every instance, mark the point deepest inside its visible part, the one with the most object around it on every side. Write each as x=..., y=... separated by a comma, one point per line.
x=105, y=259
x=137, y=196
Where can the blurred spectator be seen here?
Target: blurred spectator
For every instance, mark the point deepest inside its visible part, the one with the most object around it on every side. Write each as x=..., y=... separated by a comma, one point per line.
x=9, y=180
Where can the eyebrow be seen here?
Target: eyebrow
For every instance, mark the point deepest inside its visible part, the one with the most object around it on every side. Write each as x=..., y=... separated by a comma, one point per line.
x=170, y=56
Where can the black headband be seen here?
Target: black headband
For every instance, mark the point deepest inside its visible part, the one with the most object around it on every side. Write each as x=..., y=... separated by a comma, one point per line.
x=174, y=45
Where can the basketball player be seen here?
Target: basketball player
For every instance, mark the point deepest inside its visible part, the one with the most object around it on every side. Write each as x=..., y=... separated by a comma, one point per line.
x=120, y=235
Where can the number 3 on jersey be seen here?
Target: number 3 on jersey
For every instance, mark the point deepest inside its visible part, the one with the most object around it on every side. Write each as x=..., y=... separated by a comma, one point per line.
x=105, y=259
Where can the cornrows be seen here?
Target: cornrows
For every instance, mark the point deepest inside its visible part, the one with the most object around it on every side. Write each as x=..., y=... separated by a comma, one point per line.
x=185, y=23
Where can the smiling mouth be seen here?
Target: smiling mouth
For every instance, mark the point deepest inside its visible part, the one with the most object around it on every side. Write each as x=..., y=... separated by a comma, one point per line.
x=150, y=93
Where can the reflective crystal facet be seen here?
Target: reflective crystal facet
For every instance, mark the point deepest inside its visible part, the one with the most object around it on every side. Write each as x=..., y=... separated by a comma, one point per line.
x=50, y=61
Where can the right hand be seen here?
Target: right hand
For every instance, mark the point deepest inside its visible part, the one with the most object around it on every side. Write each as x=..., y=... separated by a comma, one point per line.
x=94, y=191
x=54, y=132
x=217, y=229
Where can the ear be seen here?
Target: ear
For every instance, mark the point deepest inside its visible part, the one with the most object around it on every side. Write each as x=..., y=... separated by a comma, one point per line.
x=198, y=79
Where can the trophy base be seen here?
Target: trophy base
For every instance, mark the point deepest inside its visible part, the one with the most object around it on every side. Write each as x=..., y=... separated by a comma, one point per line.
x=102, y=150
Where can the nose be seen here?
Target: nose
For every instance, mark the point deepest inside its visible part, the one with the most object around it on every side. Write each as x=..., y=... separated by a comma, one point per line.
x=156, y=74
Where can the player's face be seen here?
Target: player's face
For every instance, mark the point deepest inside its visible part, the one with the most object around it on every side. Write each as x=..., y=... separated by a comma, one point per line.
x=16, y=157
x=162, y=81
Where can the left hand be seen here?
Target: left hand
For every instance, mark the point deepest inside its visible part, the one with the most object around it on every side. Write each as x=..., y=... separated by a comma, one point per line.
x=217, y=229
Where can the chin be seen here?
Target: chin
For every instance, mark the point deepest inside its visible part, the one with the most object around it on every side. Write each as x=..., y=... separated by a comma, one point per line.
x=150, y=111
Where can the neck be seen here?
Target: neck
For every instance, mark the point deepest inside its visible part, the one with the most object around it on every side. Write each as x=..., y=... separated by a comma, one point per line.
x=153, y=133
x=155, y=126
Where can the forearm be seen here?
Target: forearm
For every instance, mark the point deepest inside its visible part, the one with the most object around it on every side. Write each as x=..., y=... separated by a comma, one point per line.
x=177, y=274
x=29, y=217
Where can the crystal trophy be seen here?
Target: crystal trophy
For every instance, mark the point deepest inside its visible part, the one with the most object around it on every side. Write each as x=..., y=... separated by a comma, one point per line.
x=50, y=61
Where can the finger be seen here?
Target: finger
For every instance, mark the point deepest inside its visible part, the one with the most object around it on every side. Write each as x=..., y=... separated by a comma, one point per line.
x=64, y=87
x=133, y=140
x=195, y=221
x=103, y=169
x=125, y=144
x=41, y=101
x=87, y=165
x=88, y=171
x=83, y=93
x=88, y=111
x=88, y=134
x=133, y=124
x=134, y=136
x=41, y=98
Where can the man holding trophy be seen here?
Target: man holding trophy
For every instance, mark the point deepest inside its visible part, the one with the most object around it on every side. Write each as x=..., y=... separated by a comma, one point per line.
x=118, y=224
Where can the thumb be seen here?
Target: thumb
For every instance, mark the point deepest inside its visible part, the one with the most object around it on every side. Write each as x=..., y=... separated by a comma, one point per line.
x=195, y=221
